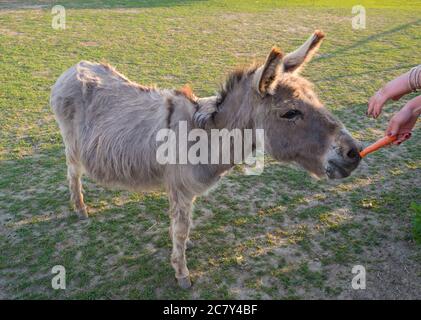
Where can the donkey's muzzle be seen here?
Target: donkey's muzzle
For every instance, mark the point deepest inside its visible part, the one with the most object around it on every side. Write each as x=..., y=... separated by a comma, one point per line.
x=346, y=161
x=339, y=169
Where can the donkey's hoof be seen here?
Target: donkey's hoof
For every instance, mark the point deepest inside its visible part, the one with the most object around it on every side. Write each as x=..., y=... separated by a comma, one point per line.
x=189, y=244
x=184, y=283
x=82, y=214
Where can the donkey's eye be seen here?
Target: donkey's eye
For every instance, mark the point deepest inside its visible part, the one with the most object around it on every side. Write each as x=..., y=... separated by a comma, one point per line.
x=291, y=114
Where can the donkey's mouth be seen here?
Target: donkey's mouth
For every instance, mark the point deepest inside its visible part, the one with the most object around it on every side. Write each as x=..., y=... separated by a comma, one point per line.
x=336, y=171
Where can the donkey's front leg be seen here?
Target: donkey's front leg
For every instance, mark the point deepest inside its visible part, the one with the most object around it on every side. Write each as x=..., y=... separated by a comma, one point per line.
x=180, y=213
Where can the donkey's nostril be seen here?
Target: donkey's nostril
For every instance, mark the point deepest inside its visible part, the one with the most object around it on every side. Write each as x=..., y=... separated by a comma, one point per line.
x=353, y=153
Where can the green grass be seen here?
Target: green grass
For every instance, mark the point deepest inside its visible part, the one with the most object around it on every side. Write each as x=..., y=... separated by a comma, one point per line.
x=281, y=235
x=416, y=222
x=245, y=5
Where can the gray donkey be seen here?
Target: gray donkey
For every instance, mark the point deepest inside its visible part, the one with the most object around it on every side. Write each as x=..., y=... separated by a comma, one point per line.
x=109, y=126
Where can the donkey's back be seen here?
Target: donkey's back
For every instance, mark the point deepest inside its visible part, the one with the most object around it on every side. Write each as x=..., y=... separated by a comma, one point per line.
x=109, y=124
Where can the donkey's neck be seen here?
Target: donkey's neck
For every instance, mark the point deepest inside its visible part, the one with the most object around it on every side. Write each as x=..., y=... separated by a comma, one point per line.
x=235, y=111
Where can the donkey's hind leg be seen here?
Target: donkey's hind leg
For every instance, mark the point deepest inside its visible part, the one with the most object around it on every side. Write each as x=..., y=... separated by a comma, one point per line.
x=74, y=173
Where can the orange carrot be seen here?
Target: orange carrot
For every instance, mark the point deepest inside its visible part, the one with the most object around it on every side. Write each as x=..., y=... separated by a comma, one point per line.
x=377, y=145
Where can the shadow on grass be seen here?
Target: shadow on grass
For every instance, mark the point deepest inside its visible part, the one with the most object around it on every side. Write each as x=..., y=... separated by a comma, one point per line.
x=368, y=39
x=358, y=74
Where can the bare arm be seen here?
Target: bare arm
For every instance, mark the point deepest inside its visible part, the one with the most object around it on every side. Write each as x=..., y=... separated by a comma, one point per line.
x=395, y=89
x=415, y=105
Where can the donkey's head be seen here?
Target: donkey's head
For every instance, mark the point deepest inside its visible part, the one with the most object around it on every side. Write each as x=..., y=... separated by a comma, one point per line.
x=298, y=128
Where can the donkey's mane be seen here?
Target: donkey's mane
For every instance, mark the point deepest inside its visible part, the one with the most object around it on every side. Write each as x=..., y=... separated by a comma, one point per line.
x=233, y=79
x=187, y=92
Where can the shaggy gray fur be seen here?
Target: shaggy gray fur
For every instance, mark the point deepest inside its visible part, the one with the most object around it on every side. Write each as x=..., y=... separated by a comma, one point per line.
x=109, y=126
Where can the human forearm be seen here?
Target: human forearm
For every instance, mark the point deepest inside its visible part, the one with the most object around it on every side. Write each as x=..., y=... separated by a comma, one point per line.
x=397, y=87
x=405, y=83
x=415, y=106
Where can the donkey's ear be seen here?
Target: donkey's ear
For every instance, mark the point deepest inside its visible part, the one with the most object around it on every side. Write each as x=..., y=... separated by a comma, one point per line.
x=294, y=61
x=266, y=75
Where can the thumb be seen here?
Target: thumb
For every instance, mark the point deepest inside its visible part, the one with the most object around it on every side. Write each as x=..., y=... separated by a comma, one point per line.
x=393, y=128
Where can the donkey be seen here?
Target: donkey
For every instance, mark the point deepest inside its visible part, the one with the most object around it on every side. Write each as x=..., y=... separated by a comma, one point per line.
x=109, y=126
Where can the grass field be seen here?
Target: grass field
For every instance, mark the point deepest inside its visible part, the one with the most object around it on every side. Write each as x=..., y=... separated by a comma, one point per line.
x=281, y=235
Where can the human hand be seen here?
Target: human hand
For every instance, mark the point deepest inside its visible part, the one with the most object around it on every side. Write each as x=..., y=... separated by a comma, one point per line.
x=376, y=103
x=402, y=124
